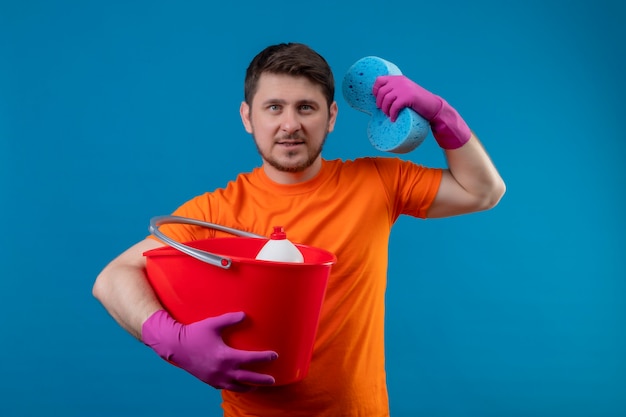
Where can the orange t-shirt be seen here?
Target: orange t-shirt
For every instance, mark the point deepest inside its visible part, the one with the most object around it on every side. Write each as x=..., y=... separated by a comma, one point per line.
x=347, y=209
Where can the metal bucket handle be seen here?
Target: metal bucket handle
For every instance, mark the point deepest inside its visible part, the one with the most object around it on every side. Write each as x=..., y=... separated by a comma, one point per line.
x=201, y=255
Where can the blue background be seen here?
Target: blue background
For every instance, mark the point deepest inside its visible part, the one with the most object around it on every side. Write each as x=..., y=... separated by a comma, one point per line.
x=113, y=112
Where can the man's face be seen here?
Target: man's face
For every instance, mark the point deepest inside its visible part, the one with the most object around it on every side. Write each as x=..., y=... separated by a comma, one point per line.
x=289, y=120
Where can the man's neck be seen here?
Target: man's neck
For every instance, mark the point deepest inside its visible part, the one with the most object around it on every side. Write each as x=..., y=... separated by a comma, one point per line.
x=287, y=178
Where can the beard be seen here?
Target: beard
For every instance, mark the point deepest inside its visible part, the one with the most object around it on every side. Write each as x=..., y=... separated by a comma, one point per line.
x=313, y=154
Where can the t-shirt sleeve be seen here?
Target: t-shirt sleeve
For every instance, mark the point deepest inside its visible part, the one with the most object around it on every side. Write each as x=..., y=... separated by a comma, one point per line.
x=411, y=187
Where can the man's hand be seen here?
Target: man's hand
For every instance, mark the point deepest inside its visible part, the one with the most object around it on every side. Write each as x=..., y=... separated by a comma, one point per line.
x=199, y=349
x=395, y=92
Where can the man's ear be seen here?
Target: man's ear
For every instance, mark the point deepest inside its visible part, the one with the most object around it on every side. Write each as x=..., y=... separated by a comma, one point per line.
x=244, y=112
x=334, y=109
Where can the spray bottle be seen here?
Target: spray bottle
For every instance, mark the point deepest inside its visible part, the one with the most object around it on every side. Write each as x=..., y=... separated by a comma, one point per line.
x=279, y=249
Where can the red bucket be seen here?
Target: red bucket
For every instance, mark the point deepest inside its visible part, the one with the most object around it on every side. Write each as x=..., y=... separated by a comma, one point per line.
x=282, y=301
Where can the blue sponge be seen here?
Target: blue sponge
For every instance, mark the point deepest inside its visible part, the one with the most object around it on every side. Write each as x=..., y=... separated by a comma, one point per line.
x=407, y=132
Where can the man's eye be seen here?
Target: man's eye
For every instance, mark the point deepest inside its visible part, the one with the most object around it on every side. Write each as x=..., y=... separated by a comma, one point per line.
x=306, y=107
x=274, y=107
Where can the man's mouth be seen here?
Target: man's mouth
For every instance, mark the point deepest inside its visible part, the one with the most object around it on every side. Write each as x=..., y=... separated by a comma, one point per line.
x=291, y=143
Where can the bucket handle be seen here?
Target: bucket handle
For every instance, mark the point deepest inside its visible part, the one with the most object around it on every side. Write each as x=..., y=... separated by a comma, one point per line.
x=201, y=255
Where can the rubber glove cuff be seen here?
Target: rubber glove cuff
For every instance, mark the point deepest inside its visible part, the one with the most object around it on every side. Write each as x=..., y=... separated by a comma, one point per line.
x=449, y=128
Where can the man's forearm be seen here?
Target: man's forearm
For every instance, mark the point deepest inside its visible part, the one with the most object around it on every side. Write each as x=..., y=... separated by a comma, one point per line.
x=472, y=168
x=128, y=297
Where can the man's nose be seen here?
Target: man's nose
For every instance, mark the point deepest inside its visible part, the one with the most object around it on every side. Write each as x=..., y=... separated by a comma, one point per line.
x=291, y=121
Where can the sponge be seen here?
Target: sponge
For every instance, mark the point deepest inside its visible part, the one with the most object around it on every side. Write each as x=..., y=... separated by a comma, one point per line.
x=402, y=136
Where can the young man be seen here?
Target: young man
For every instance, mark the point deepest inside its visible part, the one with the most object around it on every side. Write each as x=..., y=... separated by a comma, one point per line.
x=345, y=207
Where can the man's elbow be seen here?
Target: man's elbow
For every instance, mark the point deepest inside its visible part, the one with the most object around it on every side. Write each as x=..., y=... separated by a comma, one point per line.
x=494, y=195
x=97, y=289
x=101, y=286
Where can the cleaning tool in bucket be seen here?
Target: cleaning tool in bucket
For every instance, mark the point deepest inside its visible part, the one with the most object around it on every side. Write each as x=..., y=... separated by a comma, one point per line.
x=210, y=277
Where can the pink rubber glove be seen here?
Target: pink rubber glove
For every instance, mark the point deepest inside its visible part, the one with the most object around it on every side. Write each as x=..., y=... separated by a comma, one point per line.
x=395, y=92
x=198, y=348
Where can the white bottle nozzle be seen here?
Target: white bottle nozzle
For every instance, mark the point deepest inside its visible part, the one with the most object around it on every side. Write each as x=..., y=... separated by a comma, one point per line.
x=279, y=249
x=279, y=233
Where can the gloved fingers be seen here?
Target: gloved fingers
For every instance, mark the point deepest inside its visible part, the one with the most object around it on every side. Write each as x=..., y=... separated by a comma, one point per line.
x=236, y=387
x=395, y=108
x=390, y=93
x=218, y=323
x=380, y=82
x=234, y=379
x=243, y=376
x=385, y=96
x=244, y=357
x=389, y=105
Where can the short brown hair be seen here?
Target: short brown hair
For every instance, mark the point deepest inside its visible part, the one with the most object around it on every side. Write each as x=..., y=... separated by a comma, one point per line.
x=294, y=59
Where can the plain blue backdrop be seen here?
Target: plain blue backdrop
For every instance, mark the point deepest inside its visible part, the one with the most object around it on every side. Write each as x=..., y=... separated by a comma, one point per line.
x=113, y=112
